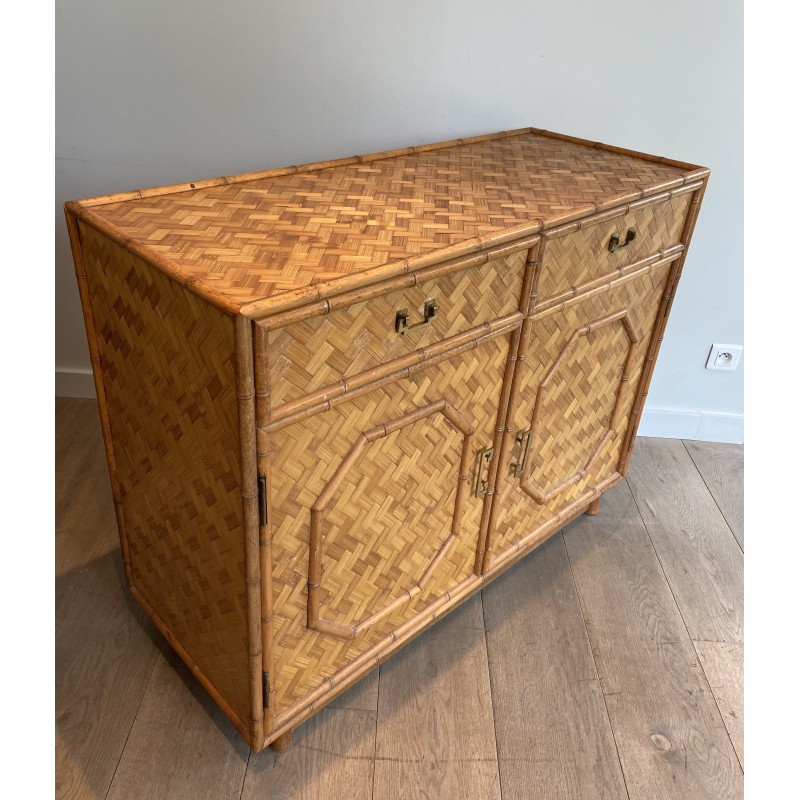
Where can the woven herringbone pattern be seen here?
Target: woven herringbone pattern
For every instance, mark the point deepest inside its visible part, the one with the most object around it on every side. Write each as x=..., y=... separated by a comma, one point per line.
x=313, y=353
x=167, y=361
x=581, y=389
x=583, y=255
x=389, y=517
x=577, y=404
x=254, y=239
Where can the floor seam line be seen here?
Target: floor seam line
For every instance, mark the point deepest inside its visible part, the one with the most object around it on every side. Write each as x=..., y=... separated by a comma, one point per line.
x=375, y=739
x=244, y=776
x=594, y=664
x=708, y=489
x=491, y=694
x=135, y=717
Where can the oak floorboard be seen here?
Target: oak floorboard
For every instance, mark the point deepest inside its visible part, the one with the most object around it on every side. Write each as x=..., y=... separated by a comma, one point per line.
x=670, y=736
x=331, y=756
x=701, y=559
x=554, y=738
x=181, y=746
x=85, y=523
x=722, y=469
x=435, y=724
x=105, y=651
x=723, y=664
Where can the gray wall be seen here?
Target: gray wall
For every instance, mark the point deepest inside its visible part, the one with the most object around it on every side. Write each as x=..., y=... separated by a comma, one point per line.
x=151, y=93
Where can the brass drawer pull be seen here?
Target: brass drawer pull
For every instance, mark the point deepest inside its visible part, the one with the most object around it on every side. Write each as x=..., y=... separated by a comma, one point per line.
x=429, y=311
x=523, y=438
x=614, y=243
x=483, y=459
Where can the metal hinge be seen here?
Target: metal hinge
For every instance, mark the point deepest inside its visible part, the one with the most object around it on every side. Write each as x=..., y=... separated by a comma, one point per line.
x=262, y=499
x=265, y=688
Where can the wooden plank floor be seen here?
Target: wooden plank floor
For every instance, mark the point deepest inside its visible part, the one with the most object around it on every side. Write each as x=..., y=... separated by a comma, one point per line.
x=608, y=664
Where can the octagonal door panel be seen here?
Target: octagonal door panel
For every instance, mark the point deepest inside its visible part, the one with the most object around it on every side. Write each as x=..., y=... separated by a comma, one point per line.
x=373, y=512
x=570, y=412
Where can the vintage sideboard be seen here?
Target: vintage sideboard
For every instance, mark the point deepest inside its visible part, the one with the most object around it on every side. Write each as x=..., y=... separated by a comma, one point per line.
x=339, y=398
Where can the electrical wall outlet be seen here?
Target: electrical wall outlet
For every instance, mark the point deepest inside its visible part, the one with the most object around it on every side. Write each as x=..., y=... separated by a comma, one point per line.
x=724, y=356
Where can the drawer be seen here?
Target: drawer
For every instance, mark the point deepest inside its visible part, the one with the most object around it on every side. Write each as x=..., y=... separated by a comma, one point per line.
x=310, y=354
x=577, y=257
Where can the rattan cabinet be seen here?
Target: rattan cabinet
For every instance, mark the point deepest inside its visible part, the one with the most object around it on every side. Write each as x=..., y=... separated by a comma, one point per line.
x=339, y=398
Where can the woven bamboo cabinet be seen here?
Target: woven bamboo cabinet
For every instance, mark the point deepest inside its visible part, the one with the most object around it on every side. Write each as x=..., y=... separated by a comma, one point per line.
x=339, y=398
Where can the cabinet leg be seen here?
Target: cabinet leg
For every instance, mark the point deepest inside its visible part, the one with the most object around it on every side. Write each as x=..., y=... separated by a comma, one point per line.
x=282, y=743
x=594, y=508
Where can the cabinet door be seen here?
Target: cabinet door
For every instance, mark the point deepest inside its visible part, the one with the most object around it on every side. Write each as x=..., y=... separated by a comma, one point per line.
x=577, y=373
x=373, y=512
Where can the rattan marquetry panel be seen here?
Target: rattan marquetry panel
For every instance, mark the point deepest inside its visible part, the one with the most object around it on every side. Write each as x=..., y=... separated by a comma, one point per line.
x=582, y=256
x=574, y=393
x=316, y=352
x=253, y=239
x=389, y=517
x=300, y=488
x=168, y=374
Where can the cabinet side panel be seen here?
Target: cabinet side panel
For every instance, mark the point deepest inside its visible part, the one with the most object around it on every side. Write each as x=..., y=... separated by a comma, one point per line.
x=167, y=361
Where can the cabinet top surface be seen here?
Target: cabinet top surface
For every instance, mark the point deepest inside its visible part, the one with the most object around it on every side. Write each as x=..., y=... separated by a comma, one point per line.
x=247, y=239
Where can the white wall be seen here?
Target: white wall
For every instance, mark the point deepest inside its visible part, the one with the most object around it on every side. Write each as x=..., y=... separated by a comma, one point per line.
x=150, y=93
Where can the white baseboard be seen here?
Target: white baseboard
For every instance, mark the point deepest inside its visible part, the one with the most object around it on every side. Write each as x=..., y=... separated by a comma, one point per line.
x=663, y=423
x=705, y=426
x=74, y=383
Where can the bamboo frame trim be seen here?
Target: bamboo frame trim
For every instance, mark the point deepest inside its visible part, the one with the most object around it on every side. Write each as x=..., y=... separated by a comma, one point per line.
x=461, y=424
x=282, y=301
x=99, y=386
x=263, y=458
x=245, y=392
x=532, y=264
x=527, y=483
x=655, y=343
x=332, y=687
x=517, y=359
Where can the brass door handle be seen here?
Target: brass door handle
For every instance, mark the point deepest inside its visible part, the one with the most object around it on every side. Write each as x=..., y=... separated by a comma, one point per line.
x=429, y=311
x=614, y=243
x=483, y=459
x=523, y=438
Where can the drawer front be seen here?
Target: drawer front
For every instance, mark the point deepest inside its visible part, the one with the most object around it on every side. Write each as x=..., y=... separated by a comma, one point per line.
x=581, y=256
x=373, y=512
x=574, y=393
x=313, y=353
